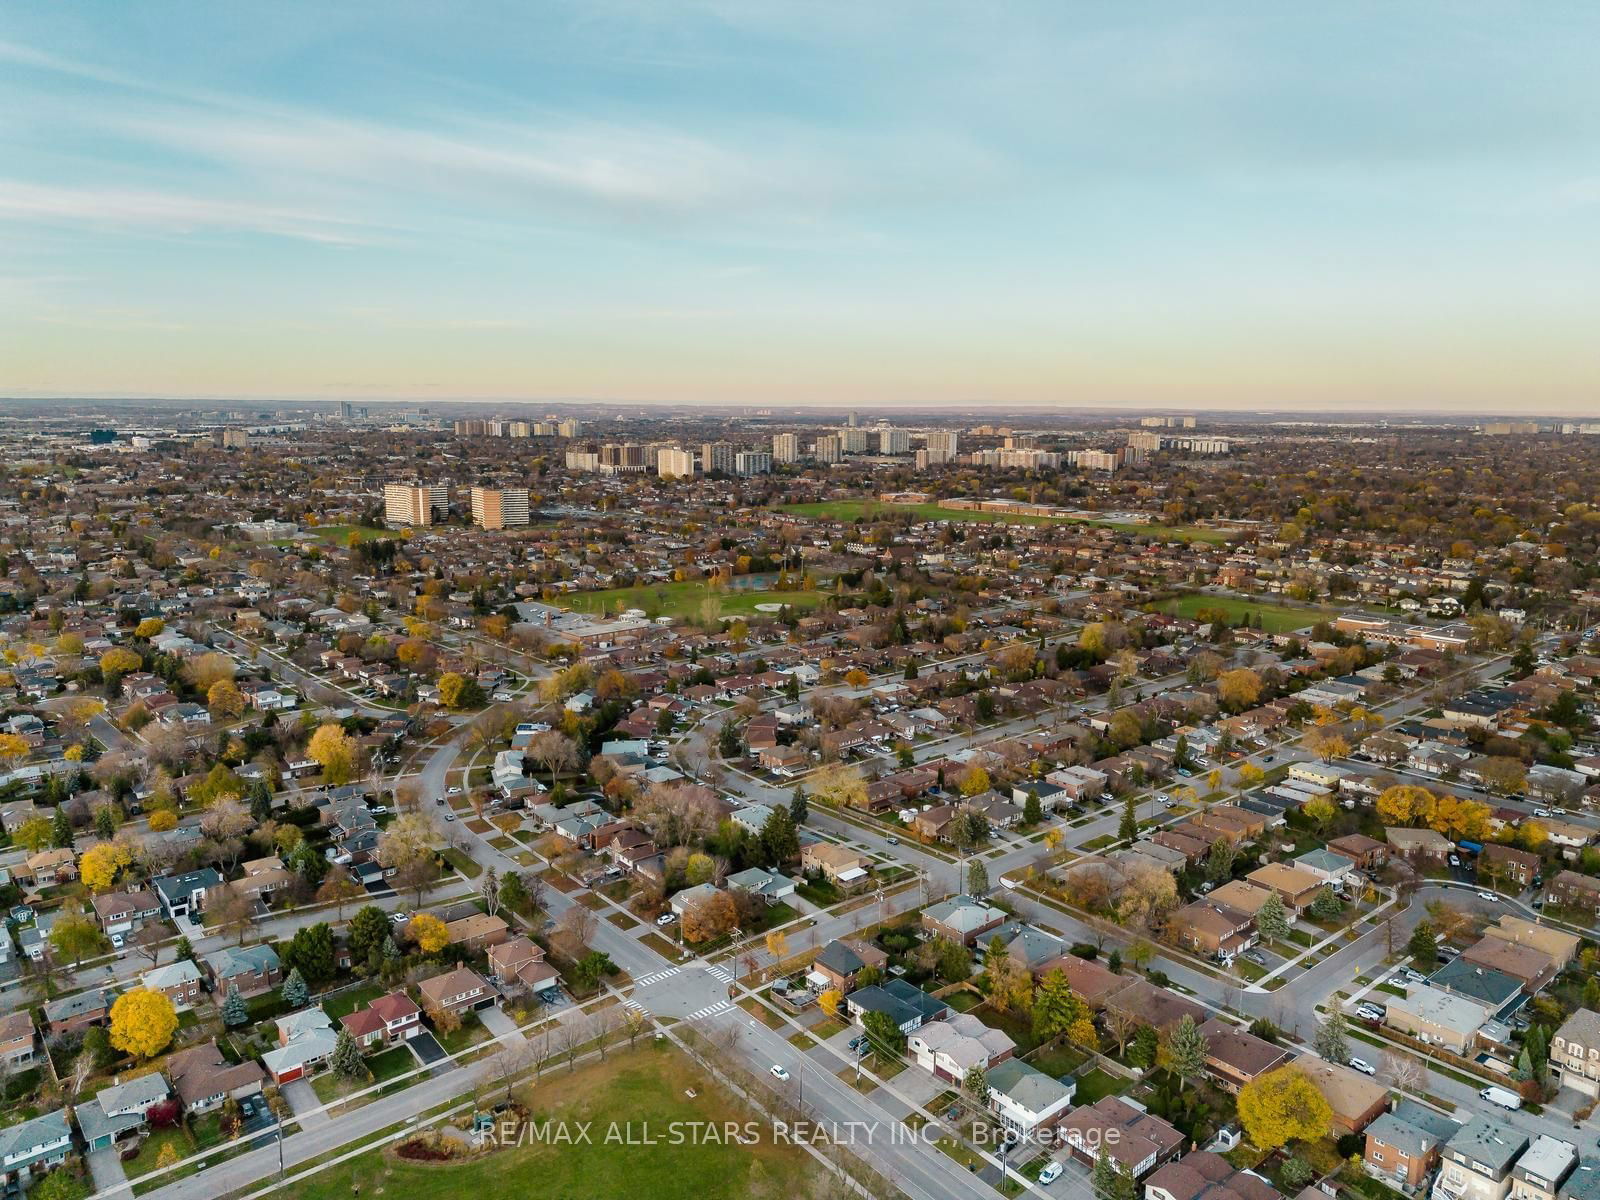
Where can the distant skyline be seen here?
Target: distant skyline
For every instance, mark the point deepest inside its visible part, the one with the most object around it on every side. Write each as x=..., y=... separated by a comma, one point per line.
x=1251, y=206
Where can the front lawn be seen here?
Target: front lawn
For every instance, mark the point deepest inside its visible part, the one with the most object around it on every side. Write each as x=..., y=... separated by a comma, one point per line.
x=470, y=1034
x=461, y=862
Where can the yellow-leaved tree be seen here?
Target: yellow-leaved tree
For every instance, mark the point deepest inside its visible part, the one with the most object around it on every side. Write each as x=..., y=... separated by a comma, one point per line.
x=143, y=1022
x=334, y=750
x=428, y=932
x=102, y=863
x=1283, y=1106
x=1404, y=804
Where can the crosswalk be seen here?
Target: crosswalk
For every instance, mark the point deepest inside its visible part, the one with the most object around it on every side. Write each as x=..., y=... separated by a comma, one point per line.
x=656, y=977
x=630, y=1002
x=711, y=1010
x=719, y=972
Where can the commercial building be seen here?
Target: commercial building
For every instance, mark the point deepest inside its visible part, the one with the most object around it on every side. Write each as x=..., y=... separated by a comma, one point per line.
x=499, y=508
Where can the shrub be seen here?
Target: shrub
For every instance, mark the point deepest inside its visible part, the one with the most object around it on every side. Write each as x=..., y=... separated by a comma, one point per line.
x=1085, y=951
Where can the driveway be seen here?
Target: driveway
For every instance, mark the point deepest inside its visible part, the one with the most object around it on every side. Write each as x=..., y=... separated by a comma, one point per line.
x=305, y=1104
x=106, y=1168
x=428, y=1051
x=500, y=1025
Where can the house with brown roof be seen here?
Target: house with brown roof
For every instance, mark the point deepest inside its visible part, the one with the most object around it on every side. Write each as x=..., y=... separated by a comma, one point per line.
x=1355, y=1099
x=1202, y=1175
x=1136, y=1140
x=1236, y=1056
x=1213, y=929
x=1572, y=890
x=1231, y=822
x=458, y=990
x=478, y=930
x=1509, y=865
x=1533, y=968
x=838, y=864
x=124, y=912
x=1148, y=1004
x=203, y=1078
x=520, y=963
x=1368, y=854
x=386, y=1020
x=1242, y=895
x=1562, y=947
x=16, y=1039
x=47, y=868
x=1296, y=886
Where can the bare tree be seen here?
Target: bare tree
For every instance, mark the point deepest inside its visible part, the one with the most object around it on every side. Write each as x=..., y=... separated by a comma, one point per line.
x=509, y=1062
x=545, y=1047
x=1408, y=1074
x=147, y=943
x=490, y=890
x=603, y=1024
x=232, y=910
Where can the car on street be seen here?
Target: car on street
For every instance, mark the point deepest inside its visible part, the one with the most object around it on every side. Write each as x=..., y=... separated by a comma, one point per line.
x=894, y=841
x=1369, y=1012
x=1541, y=812
x=399, y=916
x=1362, y=1065
x=438, y=799
x=449, y=816
x=1489, y=896
x=779, y=1073
x=1051, y=1173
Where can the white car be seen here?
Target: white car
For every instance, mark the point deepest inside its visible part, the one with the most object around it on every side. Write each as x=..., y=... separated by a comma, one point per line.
x=400, y=917
x=779, y=1073
x=1489, y=896
x=1362, y=1065
x=666, y=918
x=455, y=791
x=1051, y=1173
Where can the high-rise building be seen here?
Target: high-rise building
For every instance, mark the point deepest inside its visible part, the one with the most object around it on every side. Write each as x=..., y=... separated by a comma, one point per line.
x=894, y=441
x=827, y=449
x=1148, y=442
x=231, y=439
x=518, y=429
x=752, y=462
x=587, y=459
x=570, y=428
x=499, y=508
x=785, y=448
x=346, y=410
x=850, y=421
x=942, y=445
x=717, y=456
x=676, y=463
x=622, y=458
x=853, y=440
x=415, y=504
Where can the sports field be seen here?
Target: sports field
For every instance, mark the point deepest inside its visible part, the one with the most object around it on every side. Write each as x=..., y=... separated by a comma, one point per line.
x=684, y=600
x=640, y=1094
x=876, y=510
x=1275, y=618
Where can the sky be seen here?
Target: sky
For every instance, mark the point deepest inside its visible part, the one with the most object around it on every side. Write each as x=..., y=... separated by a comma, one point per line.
x=1195, y=205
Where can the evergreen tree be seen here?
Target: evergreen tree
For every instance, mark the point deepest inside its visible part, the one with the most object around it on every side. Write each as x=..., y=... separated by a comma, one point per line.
x=347, y=1056
x=260, y=801
x=234, y=1010
x=295, y=992
x=182, y=949
x=1112, y=1181
x=513, y=892
x=1129, y=829
x=977, y=878
x=105, y=822
x=799, y=809
x=1330, y=1042
x=1272, y=919
x=1424, y=941
x=1186, y=1051
x=779, y=841
x=61, y=828
x=391, y=952
x=1032, y=810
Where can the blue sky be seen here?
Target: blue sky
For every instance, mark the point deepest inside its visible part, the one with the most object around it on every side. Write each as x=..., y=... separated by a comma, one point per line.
x=1236, y=205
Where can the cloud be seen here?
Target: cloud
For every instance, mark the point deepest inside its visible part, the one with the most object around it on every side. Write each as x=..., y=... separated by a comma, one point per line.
x=168, y=212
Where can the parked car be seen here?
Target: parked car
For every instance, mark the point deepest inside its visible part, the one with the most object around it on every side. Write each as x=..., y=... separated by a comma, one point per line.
x=1051, y=1173
x=449, y=816
x=1370, y=1012
x=1362, y=1065
x=666, y=918
x=779, y=1073
x=1455, y=860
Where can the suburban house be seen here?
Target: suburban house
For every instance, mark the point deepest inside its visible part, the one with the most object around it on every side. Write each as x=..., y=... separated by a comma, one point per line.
x=47, y=868
x=1242, y=896
x=1542, y=1168
x=758, y=881
x=477, y=931
x=1213, y=929
x=1575, y=1052
x=1403, y=1145
x=1533, y=968
x=1438, y=1017
x=1144, y=1002
x=34, y=1145
x=519, y=962
x=16, y=1039
x=1493, y=989
x=1561, y=947
x=1296, y=886
x=842, y=867
x=1236, y=1057
x=1476, y=1160
x=1419, y=845
x=459, y=990
x=951, y=1048
x=908, y=1006
x=1368, y=854
x=1200, y=1173
x=183, y=895
x=179, y=979
x=1355, y=1099
x=385, y=1020
x=1025, y=1098
x=251, y=969
x=839, y=963
x=962, y=919
x=121, y=913
x=117, y=1111
x=1507, y=864
x=692, y=897
x=1572, y=890
x=77, y=1011
x=305, y=1042
x=203, y=1078
x=1136, y=1140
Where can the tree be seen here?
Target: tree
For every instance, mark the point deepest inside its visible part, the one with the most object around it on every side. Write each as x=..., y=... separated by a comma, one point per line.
x=1283, y=1106
x=884, y=1035
x=117, y=662
x=1032, y=810
x=1111, y=1180
x=799, y=809
x=224, y=700
x=1128, y=829
x=1503, y=775
x=75, y=936
x=780, y=841
x=232, y=911
x=976, y=1084
x=1322, y=811
x=777, y=945
x=295, y=992
x=830, y=1000
x=1327, y=743
x=1186, y=1051
x=513, y=892
x=428, y=932
x=977, y=878
x=61, y=829
x=346, y=1060
x=163, y=820
x=338, y=888
x=102, y=863
x=1272, y=919
x=839, y=786
x=1404, y=804
x=34, y=834
x=710, y=918
x=335, y=751
x=311, y=952
x=1238, y=689
x=143, y=1022
x=234, y=1010
x=368, y=928
x=1220, y=860
x=1055, y=1006
x=1325, y=906
x=1330, y=1041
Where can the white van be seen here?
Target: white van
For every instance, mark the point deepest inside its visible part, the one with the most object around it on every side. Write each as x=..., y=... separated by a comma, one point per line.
x=1502, y=1097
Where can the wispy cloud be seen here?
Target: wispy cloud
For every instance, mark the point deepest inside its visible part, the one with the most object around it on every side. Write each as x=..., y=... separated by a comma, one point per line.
x=169, y=212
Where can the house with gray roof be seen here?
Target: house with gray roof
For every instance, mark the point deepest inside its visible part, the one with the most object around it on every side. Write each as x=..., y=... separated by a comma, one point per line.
x=1477, y=1160
x=119, y=1110
x=185, y=895
x=34, y=1145
x=1025, y=1098
x=909, y=1007
x=1498, y=992
x=1403, y=1145
x=251, y=969
x=769, y=885
x=962, y=919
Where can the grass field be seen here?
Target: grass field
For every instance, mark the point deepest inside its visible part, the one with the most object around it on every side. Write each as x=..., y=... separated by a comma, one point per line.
x=686, y=599
x=640, y=1093
x=872, y=510
x=1275, y=618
